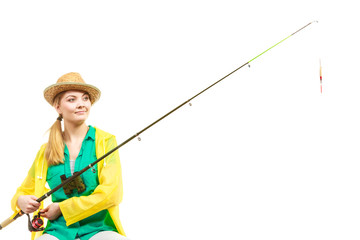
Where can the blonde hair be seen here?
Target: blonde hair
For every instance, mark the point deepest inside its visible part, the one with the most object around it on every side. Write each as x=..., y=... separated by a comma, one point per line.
x=54, y=151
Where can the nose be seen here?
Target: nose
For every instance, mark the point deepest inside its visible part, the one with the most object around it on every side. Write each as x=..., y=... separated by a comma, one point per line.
x=80, y=104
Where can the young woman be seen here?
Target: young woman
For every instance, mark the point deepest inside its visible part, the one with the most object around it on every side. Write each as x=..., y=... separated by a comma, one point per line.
x=88, y=207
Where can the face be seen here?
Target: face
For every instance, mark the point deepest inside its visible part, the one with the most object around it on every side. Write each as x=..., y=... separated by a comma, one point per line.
x=74, y=106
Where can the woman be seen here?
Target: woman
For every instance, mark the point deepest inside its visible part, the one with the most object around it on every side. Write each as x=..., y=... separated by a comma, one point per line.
x=88, y=207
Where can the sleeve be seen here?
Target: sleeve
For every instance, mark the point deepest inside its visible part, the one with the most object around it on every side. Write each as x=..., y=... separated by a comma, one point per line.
x=107, y=194
x=27, y=187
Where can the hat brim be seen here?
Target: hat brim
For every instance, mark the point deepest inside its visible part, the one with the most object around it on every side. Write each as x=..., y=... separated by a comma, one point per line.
x=53, y=90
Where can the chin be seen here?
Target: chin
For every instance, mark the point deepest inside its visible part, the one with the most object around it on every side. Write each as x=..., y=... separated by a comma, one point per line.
x=83, y=119
x=79, y=120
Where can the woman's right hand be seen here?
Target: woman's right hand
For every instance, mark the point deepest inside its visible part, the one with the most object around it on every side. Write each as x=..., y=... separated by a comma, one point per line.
x=28, y=203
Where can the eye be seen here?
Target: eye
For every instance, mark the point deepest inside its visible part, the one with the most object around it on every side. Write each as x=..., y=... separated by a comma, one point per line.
x=71, y=99
x=86, y=98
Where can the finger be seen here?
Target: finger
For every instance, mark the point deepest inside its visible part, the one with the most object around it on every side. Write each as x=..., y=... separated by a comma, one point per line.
x=33, y=197
x=29, y=210
x=45, y=209
x=34, y=203
x=32, y=207
x=46, y=215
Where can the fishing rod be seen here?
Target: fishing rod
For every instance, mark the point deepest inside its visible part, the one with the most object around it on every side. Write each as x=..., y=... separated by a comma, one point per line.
x=36, y=223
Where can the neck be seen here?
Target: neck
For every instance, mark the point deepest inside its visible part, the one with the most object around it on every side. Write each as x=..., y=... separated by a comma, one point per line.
x=74, y=133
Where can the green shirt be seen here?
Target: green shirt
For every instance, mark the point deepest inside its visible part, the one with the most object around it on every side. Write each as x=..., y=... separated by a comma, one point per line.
x=87, y=227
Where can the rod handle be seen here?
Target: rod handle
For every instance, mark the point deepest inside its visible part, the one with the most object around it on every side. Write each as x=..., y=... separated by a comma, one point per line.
x=11, y=219
x=6, y=222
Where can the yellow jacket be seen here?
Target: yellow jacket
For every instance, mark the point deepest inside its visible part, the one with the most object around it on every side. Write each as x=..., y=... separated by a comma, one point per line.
x=107, y=195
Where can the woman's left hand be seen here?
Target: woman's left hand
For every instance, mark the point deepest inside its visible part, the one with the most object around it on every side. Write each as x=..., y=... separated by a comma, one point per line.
x=51, y=212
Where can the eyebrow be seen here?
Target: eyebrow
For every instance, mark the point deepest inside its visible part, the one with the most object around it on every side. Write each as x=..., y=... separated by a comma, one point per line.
x=76, y=96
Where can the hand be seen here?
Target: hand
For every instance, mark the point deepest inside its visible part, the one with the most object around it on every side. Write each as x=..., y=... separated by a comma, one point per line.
x=28, y=203
x=51, y=212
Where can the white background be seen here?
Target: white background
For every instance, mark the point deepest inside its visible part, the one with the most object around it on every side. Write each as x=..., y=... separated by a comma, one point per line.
x=262, y=155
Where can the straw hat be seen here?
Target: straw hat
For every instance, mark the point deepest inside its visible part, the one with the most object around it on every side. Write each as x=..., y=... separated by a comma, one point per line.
x=71, y=81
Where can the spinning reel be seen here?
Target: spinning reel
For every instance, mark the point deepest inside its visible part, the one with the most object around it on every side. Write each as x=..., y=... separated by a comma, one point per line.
x=35, y=225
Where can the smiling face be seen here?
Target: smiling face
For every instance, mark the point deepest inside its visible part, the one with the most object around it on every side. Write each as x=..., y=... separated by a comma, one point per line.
x=74, y=106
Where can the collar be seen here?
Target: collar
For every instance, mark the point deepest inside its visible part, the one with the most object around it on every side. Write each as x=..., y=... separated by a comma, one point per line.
x=91, y=133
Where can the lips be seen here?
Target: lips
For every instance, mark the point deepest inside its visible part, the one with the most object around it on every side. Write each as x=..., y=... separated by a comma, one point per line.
x=80, y=112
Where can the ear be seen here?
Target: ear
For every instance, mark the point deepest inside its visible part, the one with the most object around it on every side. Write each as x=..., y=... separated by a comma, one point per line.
x=58, y=109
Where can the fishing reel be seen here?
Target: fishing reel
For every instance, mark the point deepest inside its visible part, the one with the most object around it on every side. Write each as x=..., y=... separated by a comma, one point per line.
x=35, y=225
